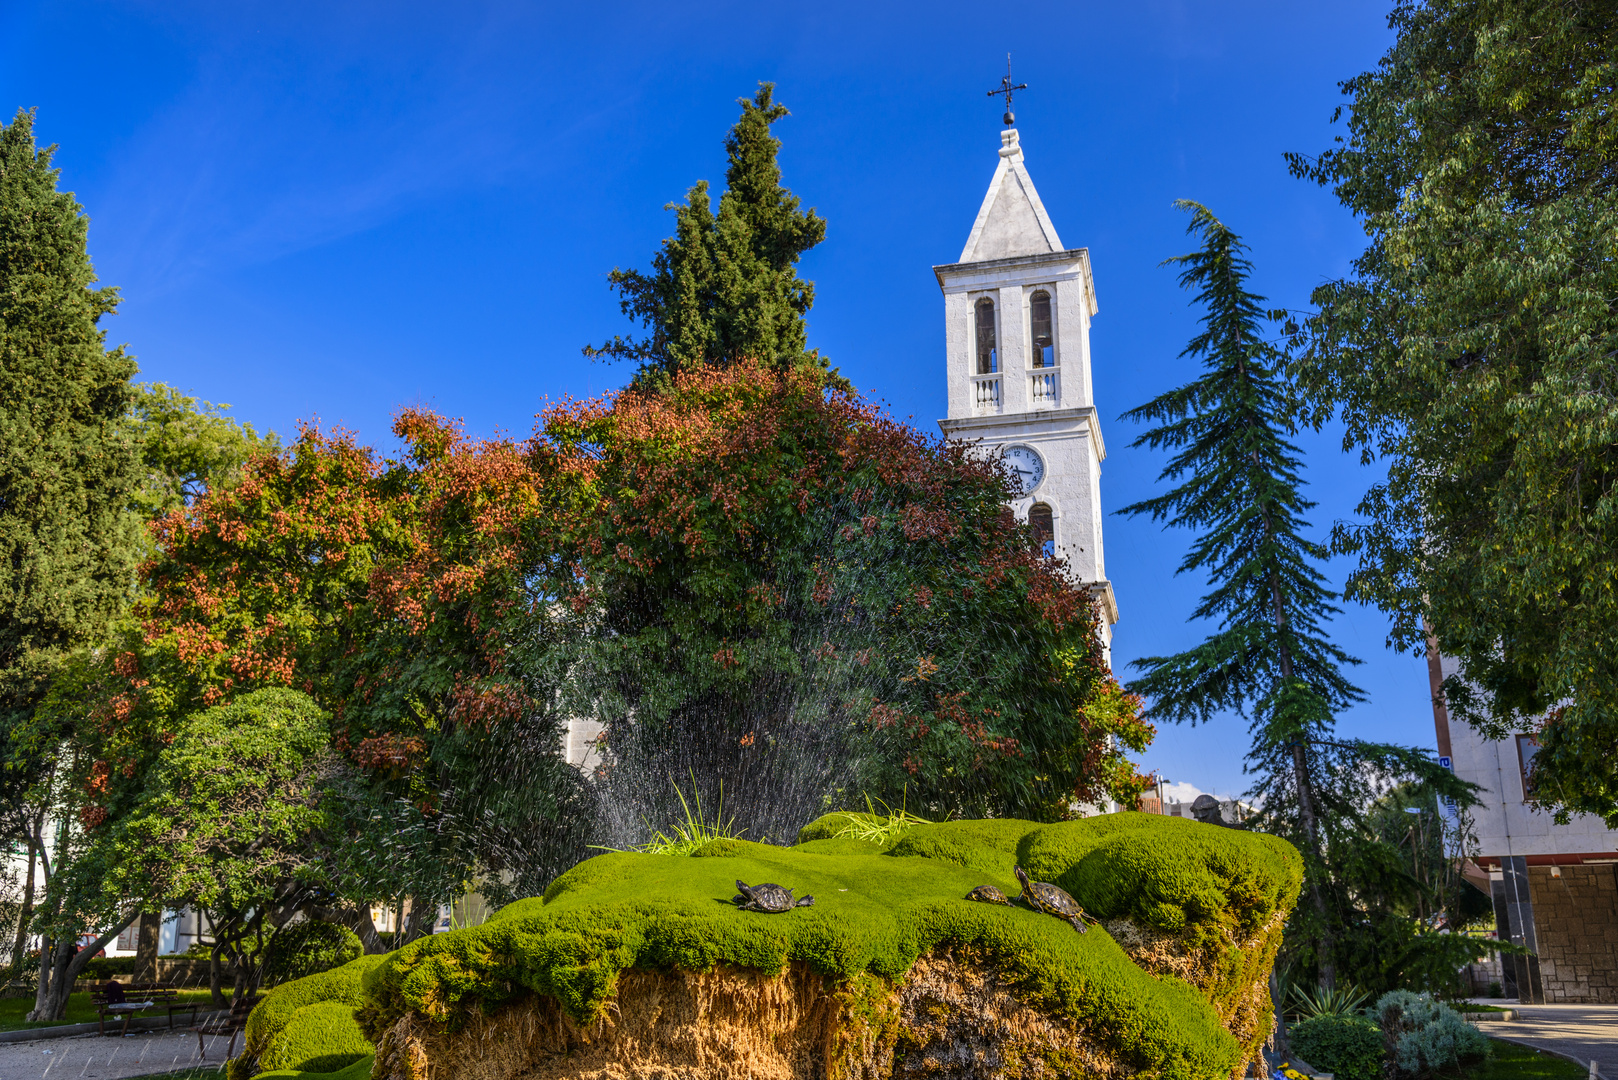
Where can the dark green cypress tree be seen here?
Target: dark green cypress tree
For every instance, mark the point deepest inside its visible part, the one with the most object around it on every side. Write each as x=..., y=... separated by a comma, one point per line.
x=725, y=286
x=69, y=463
x=1239, y=485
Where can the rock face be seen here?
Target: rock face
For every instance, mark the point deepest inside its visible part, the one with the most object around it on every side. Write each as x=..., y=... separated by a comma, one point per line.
x=638, y=966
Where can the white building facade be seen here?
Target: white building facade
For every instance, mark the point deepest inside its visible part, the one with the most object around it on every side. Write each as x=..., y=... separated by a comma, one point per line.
x=1017, y=311
x=1554, y=887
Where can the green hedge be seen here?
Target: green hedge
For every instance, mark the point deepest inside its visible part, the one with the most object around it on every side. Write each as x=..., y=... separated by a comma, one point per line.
x=102, y=968
x=1349, y=1047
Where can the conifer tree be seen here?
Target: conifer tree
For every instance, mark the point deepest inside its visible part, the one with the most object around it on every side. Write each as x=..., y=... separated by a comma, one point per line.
x=725, y=286
x=69, y=462
x=1238, y=482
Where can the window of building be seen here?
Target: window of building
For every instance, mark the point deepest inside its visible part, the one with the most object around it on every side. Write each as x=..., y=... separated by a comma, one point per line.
x=1039, y=306
x=988, y=358
x=1527, y=747
x=1039, y=519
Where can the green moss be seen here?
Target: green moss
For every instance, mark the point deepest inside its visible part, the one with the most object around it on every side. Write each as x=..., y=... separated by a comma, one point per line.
x=360, y=1070
x=322, y=1037
x=344, y=985
x=874, y=915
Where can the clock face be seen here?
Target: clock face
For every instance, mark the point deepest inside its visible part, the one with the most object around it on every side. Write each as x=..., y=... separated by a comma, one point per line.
x=1027, y=467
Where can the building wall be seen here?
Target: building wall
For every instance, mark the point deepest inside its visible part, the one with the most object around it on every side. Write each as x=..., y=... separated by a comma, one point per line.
x=1576, y=931
x=1555, y=887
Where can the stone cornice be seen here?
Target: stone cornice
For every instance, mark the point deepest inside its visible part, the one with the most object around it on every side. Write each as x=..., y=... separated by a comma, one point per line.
x=967, y=425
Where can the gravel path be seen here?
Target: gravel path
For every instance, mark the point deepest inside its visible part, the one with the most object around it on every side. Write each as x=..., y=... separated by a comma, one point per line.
x=106, y=1057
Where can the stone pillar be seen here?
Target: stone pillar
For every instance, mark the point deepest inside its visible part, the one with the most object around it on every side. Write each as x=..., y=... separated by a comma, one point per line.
x=1514, y=922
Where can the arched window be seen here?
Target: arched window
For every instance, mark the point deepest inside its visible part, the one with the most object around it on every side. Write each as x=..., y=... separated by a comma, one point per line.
x=1039, y=519
x=988, y=358
x=1040, y=315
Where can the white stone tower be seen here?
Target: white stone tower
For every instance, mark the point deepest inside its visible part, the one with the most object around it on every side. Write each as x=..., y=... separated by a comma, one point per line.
x=1017, y=310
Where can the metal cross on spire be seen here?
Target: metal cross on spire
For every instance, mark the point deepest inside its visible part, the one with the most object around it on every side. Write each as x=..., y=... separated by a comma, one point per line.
x=1007, y=89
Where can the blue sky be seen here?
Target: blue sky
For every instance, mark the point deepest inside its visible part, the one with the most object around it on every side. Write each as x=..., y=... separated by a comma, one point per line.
x=328, y=211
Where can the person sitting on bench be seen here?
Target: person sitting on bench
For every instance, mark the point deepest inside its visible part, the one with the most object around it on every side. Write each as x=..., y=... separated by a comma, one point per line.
x=113, y=1000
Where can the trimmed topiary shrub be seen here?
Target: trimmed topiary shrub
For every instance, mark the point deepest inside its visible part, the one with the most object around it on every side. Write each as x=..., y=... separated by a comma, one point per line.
x=278, y=1013
x=360, y=1070
x=1424, y=1037
x=1349, y=1047
x=318, y=1038
x=307, y=948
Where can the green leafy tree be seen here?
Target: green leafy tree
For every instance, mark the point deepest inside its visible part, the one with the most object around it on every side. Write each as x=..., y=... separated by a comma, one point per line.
x=187, y=447
x=232, y=818
x=1238, y=482
x=1472, y=348
x=725, y=286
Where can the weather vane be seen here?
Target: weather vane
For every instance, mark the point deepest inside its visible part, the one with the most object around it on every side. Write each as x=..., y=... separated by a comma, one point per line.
x=1007, y=89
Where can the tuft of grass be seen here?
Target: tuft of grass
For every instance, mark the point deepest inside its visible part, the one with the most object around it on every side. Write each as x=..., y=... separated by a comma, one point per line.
x=878, y=828
x=685, y=837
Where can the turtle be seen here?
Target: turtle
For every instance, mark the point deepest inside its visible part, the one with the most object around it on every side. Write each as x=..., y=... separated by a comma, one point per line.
x=1043, y=896
x=768, y=897
x=988, y=894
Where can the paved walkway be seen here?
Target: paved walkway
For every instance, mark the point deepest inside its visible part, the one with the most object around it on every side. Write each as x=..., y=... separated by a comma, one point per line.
x=105, y=1057
x=1585, y=1033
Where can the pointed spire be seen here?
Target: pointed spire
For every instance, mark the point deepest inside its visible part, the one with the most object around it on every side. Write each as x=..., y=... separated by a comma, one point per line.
x=1012, y=220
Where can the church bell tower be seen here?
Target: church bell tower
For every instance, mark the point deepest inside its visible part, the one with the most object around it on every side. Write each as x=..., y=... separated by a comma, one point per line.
x=1017, y=311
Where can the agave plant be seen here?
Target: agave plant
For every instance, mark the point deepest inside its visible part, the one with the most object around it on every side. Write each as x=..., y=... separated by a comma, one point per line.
x=1341, y=1001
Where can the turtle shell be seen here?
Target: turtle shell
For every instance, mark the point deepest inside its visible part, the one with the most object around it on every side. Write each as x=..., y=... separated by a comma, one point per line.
x=768, y=896
x=1052, y=900
x=988, y=894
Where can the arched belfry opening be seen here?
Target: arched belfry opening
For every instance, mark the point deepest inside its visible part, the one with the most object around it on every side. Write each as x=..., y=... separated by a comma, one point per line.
x=1044, y=526
x=1044, y=341
x=988, y=354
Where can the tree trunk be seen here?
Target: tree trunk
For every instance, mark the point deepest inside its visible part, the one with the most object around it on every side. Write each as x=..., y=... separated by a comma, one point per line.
x=1306, y=796
x=422, y=917
x=59, y=966
x=19, y=951
x=365, y=927
x=216, y=974
x=1283, y=1045
x=151, y=929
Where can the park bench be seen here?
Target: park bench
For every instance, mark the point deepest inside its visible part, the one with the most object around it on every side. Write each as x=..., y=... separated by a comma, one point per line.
x=118, y=999
x=231, y=1024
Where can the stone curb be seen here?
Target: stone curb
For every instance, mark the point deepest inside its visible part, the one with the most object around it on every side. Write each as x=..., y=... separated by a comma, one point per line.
x=143, y=1023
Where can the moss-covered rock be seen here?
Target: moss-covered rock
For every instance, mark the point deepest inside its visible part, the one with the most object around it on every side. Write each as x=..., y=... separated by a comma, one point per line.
x=1171, y=986
x=308, y=1024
